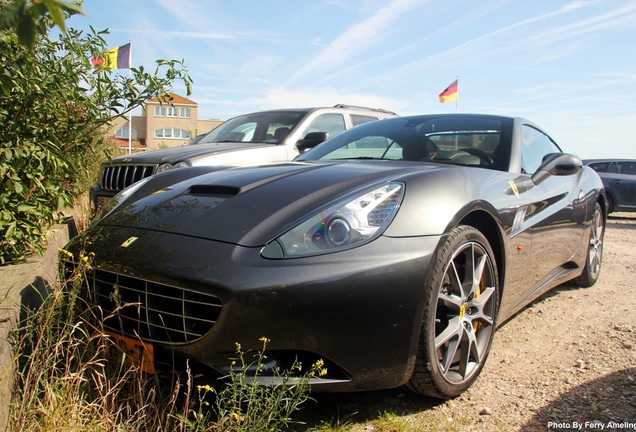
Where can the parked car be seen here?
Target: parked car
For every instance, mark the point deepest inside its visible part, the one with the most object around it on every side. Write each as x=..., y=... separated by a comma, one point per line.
x=619, y=179
x=391, y=252
x=262, y=137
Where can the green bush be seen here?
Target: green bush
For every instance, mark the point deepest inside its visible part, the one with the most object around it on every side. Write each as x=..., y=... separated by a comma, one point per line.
x=54, y=108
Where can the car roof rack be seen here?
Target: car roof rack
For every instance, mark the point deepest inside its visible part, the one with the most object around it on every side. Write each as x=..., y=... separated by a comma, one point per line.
x=363, y=108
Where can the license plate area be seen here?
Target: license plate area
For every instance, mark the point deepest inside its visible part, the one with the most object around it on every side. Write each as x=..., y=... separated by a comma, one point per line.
x=135, y=352
x=102, y=201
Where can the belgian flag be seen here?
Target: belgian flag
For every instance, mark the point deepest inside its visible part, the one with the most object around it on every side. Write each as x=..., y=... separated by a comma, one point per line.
x=114, y=58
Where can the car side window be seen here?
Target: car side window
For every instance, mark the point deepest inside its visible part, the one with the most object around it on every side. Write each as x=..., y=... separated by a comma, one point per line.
x=534, y=146
x=627, y=167
x=357, y=119
x=599, y=166
x=330, y=123
x=613, y=168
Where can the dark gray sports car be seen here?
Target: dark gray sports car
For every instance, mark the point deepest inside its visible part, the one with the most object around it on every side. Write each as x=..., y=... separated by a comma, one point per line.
x=391, y=252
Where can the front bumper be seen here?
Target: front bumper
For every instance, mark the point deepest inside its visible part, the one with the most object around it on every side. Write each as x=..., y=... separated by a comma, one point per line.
x=358, y=310
x=98, y=197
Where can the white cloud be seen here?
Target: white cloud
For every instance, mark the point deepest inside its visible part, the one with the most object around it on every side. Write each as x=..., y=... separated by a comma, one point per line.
x=357, y=38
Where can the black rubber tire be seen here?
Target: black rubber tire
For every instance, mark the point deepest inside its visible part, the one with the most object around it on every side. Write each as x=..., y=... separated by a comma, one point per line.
x=610, y=204
x=469, y=314
x=594, y=256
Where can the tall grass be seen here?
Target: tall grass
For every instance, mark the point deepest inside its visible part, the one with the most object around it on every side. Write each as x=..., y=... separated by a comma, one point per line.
x=69, y=380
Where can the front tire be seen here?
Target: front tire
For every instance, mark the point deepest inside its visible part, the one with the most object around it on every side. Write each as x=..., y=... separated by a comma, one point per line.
x=459, y=316
x=592, y=268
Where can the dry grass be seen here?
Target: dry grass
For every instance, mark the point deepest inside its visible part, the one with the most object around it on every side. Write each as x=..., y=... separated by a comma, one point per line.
x=69, y=380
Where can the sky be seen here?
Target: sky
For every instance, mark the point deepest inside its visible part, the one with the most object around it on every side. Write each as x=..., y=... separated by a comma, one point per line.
x=569, y=66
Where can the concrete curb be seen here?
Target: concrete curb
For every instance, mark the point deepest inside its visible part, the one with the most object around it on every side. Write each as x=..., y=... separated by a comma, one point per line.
x=21, y=284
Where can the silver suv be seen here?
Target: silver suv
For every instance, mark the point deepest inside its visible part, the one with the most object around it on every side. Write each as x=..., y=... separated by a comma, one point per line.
x=250, y=139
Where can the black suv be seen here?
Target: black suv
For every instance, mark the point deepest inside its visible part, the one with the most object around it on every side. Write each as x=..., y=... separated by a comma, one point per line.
x=619, y=179
x=250, y=139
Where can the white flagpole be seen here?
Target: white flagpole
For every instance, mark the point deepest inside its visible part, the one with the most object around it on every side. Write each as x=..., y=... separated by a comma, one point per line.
x=457, y=100
x=130, y=112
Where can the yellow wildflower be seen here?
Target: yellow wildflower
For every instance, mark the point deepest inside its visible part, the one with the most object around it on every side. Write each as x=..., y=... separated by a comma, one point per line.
x=206, y=387
x=65, y=252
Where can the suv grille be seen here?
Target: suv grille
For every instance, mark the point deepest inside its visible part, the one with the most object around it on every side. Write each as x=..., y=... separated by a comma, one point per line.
x=118, y=177
x=152, y=311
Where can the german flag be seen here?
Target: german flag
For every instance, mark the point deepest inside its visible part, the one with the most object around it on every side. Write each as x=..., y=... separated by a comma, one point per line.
x=114, y=58
x=451, y=92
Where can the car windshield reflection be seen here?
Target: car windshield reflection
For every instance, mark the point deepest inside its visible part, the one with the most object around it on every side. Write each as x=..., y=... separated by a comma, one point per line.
x=480, y=142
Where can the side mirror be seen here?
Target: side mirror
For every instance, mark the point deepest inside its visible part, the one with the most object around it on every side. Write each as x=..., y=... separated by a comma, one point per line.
x=311, y=140
x=557, y=164
x=553, y=164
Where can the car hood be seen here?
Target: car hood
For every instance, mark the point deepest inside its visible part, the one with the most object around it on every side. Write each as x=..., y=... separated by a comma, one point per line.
x=176, y=154
x=252, y=206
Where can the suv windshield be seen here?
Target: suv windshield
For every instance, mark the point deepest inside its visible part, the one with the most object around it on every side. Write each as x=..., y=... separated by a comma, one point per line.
x=267, y=127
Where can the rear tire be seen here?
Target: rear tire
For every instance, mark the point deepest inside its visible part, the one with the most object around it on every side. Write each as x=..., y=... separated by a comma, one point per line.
x=459, y=316
x=594, y=257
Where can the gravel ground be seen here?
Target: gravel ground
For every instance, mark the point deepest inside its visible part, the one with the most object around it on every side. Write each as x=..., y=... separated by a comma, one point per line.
x=566, y=362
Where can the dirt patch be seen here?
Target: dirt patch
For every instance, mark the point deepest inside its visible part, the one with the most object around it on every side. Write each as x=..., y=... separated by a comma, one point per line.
x=566, y=362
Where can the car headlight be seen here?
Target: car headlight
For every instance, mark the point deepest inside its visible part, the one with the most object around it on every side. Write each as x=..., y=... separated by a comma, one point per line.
x=350, y=222
x=167, y=166
x=164, y=167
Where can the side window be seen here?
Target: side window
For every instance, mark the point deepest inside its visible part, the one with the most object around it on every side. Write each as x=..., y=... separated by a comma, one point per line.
x=613, y=168
x=357, y=119
x=599, y=166
x=627, y=167
x=534, y=146
x=331, y=123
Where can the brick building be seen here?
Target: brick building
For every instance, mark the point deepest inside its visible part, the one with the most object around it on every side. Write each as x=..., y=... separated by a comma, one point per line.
x=162, y=125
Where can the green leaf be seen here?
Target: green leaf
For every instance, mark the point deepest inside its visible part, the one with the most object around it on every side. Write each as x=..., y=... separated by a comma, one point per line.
x=26, y=208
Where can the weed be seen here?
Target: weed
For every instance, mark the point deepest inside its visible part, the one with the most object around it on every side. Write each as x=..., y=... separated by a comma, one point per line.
x=69, y=379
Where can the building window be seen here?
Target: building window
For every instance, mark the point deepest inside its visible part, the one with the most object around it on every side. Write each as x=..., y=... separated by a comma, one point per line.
x=123, y=133
x=160, y=111
x=172, y=133
x=172, y=112
x=184, y=112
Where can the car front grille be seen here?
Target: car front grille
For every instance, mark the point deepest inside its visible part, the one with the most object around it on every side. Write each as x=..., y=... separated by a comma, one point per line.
x=151, y=311
x=118, y=177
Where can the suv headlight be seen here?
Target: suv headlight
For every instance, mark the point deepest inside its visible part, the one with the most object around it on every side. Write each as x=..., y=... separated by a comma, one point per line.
x=348, y=223
x=167, y=166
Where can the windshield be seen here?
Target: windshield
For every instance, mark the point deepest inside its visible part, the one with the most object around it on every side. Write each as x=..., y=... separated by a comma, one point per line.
x=455, y=139
x=264, y=127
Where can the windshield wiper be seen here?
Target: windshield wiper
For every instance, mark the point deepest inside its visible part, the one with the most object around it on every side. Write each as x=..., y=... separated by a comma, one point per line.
x=360, y=158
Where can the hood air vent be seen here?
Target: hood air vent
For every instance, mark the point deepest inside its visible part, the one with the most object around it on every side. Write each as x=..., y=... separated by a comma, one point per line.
x=214, y=191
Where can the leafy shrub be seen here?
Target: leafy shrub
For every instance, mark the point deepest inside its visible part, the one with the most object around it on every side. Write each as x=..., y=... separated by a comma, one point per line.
x=53, y=109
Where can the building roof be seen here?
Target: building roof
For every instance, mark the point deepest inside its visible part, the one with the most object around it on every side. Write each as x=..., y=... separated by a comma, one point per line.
x=176, y=100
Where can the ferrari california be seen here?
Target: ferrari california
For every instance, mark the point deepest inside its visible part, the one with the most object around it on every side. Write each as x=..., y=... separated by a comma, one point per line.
x=391, y=252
